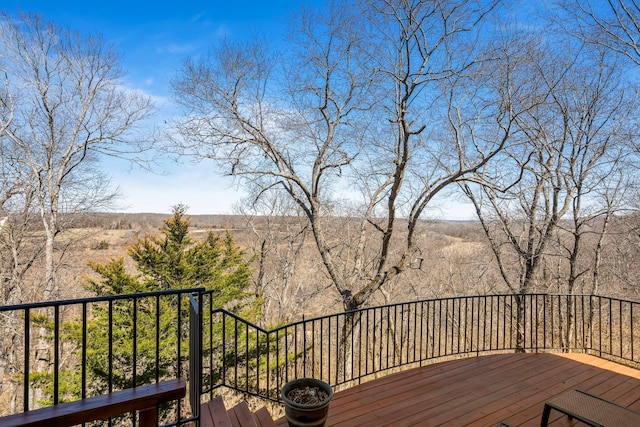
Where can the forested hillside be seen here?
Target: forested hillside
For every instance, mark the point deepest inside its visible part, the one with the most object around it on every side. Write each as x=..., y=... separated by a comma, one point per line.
x=455, y=259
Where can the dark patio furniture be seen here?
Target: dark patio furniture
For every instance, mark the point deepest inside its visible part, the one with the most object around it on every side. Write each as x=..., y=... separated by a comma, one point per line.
x=590, y=409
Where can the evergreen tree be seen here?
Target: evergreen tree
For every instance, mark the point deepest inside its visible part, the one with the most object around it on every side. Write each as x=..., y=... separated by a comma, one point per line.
x=171, y=260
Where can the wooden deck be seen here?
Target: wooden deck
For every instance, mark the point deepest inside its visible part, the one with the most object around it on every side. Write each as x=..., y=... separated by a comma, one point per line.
x=481, y=391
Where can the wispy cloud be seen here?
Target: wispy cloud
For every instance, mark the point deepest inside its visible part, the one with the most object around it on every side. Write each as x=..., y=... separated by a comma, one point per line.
x=176, y=48
x=222, y=31
x=197, y=17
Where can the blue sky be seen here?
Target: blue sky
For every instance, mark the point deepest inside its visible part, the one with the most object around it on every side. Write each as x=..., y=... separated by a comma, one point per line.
x=154, y=38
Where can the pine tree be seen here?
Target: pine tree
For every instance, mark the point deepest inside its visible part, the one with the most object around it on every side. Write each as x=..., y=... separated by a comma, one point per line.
x=171, y=260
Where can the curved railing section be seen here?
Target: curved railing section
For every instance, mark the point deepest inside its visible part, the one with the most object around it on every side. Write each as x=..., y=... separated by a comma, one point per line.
x=66, y=350
x=347, y=348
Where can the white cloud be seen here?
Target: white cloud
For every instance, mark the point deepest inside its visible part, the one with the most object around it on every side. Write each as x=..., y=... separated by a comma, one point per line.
x=222, y=31
x=197, y=186
x=176, y=48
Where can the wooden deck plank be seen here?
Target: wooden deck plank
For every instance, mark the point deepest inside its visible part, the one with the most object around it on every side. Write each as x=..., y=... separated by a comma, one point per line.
x=404, y=386
x=451, y=391
x=463, y=400
x=206, y=419
x=218, y=413
x=537, y=392
x=587, y=376
x=264, y=418
x=243, y=415
x=481, y=391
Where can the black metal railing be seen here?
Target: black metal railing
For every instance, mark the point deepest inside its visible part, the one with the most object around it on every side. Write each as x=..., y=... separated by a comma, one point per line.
x=348, y=348
x=66, y=350
x=60, y=351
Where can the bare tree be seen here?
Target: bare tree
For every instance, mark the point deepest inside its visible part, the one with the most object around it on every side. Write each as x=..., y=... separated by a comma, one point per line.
x=613, y=24
x=569, y=146
x=69, y=108
x=384, y=103
x=284, y=265
x=597, y=201
x=6, y=102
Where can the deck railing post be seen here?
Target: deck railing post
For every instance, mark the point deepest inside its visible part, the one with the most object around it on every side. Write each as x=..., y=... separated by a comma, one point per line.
x=195, y=354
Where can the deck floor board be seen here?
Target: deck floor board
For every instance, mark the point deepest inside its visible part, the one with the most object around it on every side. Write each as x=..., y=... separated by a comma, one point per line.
x=481, y=391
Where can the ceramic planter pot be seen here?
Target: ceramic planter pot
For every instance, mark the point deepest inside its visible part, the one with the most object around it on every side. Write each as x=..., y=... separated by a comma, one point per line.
x=306, y=414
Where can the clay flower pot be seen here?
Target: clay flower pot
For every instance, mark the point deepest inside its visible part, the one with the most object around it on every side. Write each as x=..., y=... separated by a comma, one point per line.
x=306, y=402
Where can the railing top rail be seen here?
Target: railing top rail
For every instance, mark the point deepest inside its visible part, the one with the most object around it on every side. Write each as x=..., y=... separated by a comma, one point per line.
x=594, y=296
x=378, y=307
x=235, y=316
x=87, y=300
